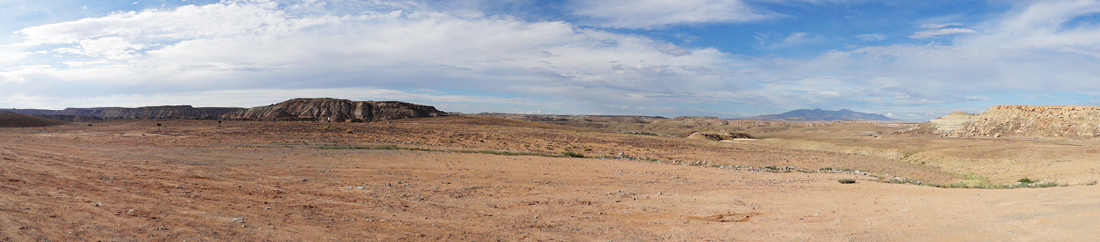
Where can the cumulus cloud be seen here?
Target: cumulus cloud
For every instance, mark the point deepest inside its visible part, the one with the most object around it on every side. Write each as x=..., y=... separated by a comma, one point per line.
x=258, y=52
x=259, y=45
x=1039, y=47
x=644, y=14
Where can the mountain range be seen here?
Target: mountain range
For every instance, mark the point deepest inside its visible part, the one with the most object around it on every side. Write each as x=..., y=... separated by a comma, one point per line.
x=823, y=115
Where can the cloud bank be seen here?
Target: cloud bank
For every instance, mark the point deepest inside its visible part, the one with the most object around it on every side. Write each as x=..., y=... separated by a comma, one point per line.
x=248, y=53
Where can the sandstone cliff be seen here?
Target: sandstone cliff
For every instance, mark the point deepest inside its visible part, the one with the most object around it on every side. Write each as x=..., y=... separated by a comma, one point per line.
x=336, y=110
x=1020, y=120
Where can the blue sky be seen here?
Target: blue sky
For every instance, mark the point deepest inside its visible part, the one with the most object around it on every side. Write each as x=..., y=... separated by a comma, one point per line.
x=910, y=60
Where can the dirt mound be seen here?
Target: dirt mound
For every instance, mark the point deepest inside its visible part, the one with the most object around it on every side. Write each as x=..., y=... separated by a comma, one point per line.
x=19, y=120
x=1019, y=120
x=337, y=110
x=716, y=136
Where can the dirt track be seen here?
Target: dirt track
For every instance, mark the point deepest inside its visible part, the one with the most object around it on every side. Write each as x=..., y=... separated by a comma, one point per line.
x=126, y=181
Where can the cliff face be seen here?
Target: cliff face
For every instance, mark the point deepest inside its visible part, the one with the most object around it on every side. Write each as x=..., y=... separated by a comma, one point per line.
x=1023, y=120
x=154, y=112
x=336, y=110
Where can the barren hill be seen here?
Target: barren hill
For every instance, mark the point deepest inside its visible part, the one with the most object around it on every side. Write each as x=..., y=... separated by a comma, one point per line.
x=337, y=110
x=8, y=119
x=1019, y=120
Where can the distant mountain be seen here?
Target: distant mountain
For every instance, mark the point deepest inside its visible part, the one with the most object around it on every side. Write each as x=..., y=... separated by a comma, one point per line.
x=823, y=115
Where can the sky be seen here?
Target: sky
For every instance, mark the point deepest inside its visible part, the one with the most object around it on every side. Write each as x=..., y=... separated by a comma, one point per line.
x=909, y=60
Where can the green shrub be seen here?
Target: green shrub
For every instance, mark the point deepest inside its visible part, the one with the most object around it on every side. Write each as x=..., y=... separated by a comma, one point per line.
x=846, y=181
x=572, y=154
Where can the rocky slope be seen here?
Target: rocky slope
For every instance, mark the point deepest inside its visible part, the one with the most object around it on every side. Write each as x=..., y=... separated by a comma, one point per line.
x=1019, y=120
x=153, y=112
x=336, y=110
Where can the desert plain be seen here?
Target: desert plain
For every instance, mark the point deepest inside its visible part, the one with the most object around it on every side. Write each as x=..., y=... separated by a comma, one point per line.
x=470, y=178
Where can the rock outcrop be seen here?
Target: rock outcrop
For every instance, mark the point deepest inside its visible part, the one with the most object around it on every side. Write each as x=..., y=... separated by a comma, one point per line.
x=336, y=110
x=153, y=112
x=1019, y=120
x=716, y=136
x=946, y=124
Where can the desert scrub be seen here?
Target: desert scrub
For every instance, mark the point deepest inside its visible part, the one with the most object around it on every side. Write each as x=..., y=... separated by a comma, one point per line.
x=572, y=154
x=846, y=181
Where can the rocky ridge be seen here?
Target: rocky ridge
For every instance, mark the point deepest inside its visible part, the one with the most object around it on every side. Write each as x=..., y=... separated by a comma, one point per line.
x=336, y=110
x=1019, y=120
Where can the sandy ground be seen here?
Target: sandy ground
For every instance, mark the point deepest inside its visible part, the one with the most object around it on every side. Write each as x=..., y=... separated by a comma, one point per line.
x=123, y=181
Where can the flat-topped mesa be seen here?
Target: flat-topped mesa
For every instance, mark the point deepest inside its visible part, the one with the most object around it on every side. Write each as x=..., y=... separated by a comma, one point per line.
x=337, y=110
x=1021, y=120
x=152, y=112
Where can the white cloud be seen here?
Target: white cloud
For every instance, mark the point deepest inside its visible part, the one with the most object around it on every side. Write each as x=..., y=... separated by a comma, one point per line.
x=939, y=32
x=387, y=52
x=6, y=56
x=261, y=46
x=871, y=37
x=937, y=26
x=644, y=14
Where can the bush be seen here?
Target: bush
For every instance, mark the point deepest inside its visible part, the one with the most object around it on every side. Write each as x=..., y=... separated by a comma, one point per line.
x=572, y=154
x=846, y=181
x=1025, y=180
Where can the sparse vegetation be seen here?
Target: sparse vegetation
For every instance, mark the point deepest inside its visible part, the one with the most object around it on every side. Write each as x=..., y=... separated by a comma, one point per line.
x=846, y=181
x=572, y=154
x=1025, y=180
